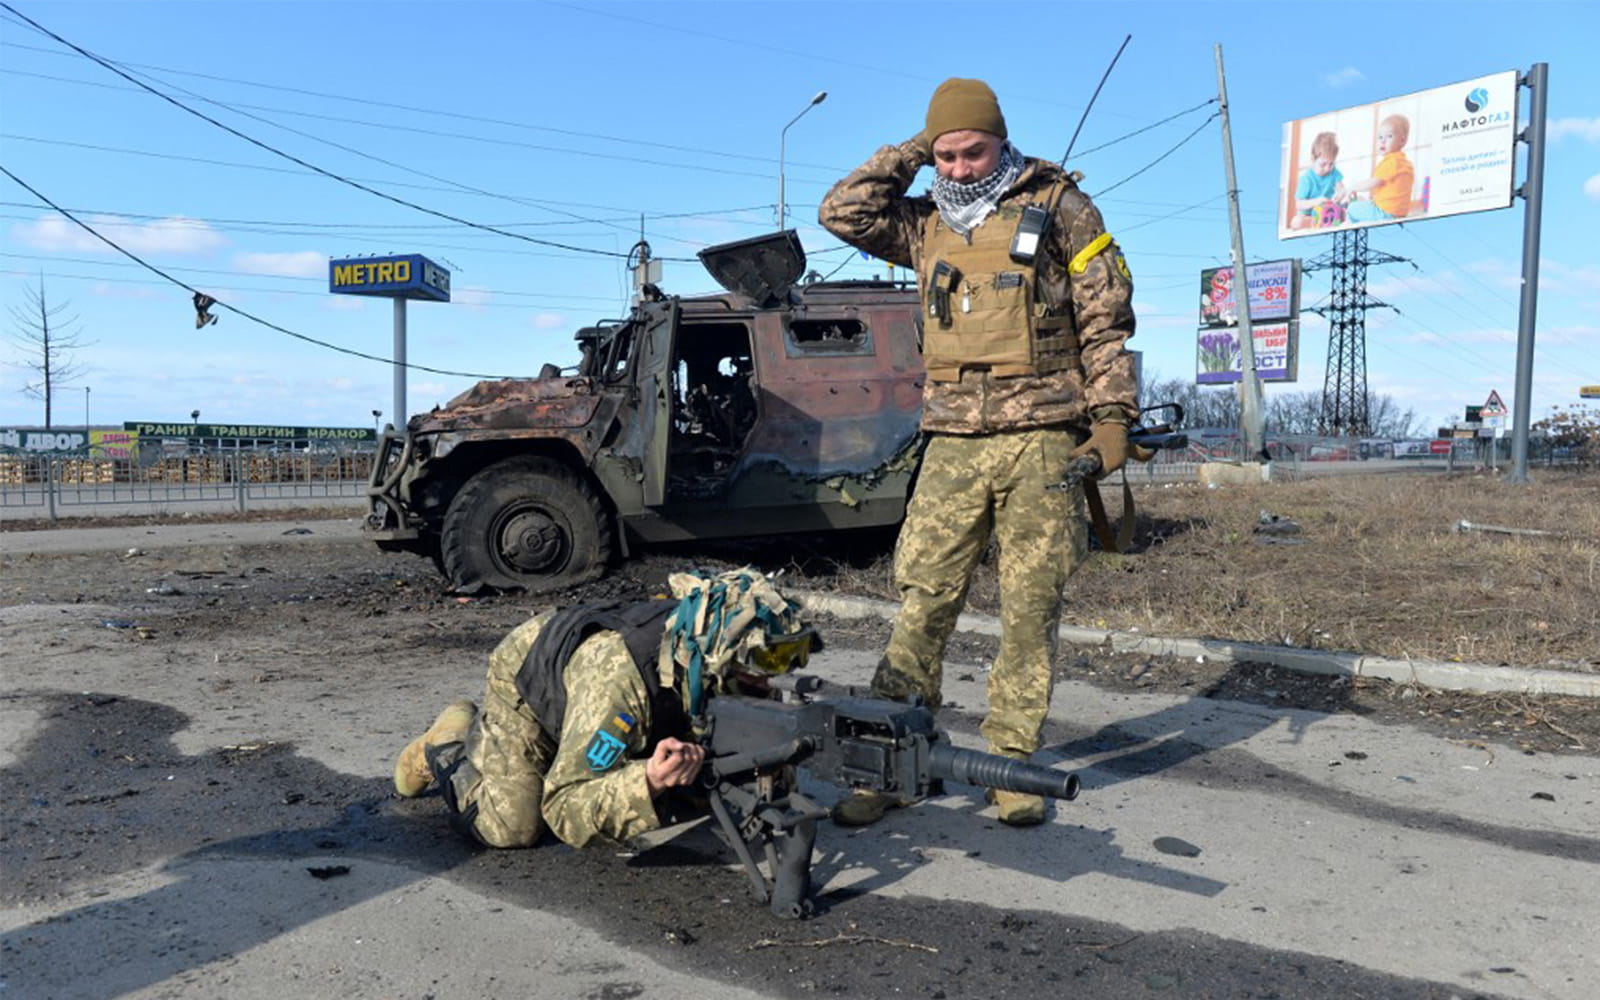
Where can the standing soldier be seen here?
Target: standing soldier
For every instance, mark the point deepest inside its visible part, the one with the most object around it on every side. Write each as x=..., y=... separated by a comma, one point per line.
x=1027, y=308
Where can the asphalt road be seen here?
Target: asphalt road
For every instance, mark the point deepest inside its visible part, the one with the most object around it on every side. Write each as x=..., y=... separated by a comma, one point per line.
x=188, y=817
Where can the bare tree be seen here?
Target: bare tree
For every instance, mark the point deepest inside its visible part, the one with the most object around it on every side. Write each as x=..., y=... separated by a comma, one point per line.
x=1286, y=412
x=47, y=342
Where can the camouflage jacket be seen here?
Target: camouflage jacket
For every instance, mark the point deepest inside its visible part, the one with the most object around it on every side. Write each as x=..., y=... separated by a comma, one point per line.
x=595, y=789
x=870, y=210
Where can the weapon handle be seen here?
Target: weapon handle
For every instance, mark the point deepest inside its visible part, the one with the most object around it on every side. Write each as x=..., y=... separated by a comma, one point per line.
x=991, y=771
x=1079, y=469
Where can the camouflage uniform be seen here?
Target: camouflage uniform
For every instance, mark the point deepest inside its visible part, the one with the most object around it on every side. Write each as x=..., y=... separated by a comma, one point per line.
x=510, y=778
x=996, y=442
x=505, y=774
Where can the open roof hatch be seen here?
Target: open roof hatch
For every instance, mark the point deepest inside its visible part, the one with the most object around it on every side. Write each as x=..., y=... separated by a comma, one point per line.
x=761, y=268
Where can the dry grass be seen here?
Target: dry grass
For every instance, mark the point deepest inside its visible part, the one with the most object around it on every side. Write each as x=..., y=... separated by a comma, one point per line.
x=1378, y=567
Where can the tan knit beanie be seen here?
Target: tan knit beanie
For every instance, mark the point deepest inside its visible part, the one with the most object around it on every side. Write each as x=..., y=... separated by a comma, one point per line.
x=962, y=104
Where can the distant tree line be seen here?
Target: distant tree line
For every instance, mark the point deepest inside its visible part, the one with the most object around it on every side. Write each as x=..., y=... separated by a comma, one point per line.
x=1285, y=412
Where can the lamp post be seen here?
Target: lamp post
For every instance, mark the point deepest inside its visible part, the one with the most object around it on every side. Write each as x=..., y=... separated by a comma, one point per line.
x=377, y=426
x=782, y=138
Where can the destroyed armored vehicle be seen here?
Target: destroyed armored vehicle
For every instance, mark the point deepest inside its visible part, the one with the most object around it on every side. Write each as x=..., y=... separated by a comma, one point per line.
x=778, y=407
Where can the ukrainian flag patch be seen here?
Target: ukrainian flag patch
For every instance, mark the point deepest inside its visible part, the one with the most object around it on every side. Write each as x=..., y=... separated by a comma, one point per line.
x=609, y=742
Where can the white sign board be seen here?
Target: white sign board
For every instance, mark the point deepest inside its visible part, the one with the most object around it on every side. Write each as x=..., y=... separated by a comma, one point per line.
x=1419, y=156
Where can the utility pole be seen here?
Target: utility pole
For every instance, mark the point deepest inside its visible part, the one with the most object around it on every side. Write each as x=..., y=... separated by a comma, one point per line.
x=1249, y=385
x=1538, y=82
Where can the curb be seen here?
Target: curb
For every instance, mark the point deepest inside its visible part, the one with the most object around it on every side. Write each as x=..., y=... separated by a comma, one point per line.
x=1478, y=677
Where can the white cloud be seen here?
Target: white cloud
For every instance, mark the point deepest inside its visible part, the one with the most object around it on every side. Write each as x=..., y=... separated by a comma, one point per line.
x=549, y=321
x=471, y=296
x=175, y=235
x=1591, y=187
x=1343, y=77
x=302, y=264
x=1583, y=128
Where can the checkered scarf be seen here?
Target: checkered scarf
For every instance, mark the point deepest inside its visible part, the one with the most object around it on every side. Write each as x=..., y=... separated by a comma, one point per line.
x=964, y=206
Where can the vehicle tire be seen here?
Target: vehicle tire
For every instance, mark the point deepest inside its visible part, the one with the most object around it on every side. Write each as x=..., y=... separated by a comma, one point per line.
x=524, y=523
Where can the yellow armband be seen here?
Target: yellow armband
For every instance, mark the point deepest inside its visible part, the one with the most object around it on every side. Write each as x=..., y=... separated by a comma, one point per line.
x=1080, y=262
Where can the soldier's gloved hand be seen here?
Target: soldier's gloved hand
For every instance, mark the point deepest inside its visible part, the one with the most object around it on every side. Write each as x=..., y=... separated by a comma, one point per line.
x=673, y=765
x=1108, y=439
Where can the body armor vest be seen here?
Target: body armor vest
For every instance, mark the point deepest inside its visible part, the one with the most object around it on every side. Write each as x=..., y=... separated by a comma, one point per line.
x=542, y=679
x=981, y=308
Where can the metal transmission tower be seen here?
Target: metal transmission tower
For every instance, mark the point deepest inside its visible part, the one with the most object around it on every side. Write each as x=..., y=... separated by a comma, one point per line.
x=1344, y=386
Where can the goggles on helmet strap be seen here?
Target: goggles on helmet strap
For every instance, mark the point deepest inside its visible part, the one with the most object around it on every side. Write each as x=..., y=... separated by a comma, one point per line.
x=784, y=653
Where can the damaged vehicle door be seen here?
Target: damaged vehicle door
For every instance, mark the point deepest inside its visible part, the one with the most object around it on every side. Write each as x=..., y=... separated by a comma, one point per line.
x=773, y=408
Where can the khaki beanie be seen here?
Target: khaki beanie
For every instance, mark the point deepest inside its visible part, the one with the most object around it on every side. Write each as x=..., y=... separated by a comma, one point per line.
x=964, y=104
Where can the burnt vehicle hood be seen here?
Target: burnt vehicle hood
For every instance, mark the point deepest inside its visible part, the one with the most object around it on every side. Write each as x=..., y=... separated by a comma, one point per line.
x=510, y=404
x=762, y=268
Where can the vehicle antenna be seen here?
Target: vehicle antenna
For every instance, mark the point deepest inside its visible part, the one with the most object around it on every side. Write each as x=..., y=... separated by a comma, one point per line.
x=1073, y=141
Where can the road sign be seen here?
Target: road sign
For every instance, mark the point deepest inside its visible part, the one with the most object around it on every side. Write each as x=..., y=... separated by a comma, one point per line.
x=1493, y=406
x=1439, y=447
x=1589, y=391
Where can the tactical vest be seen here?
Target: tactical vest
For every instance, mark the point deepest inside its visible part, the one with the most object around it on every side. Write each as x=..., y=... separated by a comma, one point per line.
x=542, y=678
x=988, y=314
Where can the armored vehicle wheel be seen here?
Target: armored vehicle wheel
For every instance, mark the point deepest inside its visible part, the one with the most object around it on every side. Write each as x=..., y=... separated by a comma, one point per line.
x=525, y=523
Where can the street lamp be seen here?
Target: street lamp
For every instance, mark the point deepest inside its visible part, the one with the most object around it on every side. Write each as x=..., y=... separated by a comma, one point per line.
x=782, y=137
x=377, y=415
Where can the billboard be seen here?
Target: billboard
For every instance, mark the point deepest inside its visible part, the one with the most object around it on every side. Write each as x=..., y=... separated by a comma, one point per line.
x=1274, y=293
x=1218, y=358
x=1425, y=155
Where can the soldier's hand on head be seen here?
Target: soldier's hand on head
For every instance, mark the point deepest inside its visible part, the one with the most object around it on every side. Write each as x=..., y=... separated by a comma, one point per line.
x=673, y=765
x=921, y=146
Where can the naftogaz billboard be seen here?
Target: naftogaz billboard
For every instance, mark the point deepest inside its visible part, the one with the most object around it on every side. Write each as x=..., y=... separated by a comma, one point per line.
x=1426, y=155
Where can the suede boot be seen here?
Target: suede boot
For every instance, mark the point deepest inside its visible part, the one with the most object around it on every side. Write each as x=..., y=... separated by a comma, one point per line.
x=412, y=775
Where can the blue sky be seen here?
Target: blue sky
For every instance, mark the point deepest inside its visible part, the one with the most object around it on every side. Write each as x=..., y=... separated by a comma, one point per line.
x=571, y=123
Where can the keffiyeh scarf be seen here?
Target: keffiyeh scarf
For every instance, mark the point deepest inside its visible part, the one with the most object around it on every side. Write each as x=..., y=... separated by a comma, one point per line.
x=963, y=206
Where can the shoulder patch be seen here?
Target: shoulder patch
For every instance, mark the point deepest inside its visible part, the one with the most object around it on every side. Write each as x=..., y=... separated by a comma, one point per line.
x=609, y=743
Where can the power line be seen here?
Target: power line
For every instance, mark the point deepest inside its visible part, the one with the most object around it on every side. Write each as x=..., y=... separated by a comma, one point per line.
x=1170, y=215
x=234, y=309
x=409, y=108
x=436, y=133
x=543, y=296
x=1163, y=156
x=1140, y=131
x=311, y=166
x=287, y=226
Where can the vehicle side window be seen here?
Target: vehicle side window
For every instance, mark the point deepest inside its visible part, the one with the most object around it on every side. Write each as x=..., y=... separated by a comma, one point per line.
x=843, y=335
x=619, y=355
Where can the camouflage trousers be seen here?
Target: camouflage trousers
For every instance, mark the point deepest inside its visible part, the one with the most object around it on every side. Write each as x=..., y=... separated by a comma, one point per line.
x=493, y=783
x=969, y=490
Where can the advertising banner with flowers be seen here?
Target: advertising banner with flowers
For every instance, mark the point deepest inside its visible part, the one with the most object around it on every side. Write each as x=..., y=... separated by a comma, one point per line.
x=1219, y=359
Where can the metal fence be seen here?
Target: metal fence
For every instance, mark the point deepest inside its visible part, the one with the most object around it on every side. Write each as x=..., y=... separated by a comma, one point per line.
x=296, y=474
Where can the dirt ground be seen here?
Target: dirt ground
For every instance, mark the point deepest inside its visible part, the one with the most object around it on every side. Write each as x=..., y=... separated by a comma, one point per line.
x=371, y=613
x=1373, y=565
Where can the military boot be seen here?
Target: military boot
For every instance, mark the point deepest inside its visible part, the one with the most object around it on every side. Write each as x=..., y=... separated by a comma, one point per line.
x=412, y=775
x=863, y=808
